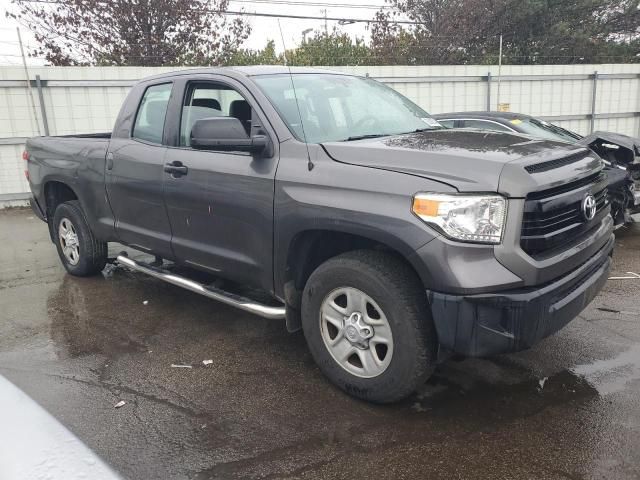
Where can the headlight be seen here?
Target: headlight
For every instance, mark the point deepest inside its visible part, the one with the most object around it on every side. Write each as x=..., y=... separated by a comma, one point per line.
x=468, y=218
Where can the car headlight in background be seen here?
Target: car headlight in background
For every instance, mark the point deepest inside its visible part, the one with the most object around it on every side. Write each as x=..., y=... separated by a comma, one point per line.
x=468, y=218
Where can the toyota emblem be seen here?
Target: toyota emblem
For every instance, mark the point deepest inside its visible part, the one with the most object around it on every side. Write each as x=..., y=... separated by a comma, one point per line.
x=589, y=207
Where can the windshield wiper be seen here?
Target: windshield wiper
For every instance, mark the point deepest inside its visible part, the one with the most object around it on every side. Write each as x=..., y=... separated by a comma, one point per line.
x=378, y=135
x=425, y=129
x=362, y=137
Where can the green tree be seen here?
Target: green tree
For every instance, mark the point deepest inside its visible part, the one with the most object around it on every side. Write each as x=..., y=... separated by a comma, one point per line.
x=335, y=48
x=265, y=56
x=534, y=31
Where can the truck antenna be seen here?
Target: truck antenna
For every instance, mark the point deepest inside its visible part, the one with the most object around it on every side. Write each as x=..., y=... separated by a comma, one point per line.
x=295, y=96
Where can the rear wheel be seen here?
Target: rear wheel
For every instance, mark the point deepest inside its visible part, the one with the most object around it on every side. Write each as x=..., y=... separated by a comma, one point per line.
x=80, y=252
x=367, y=324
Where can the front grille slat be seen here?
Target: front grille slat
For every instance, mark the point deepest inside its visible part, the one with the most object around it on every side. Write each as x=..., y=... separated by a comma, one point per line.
x=553, y=218
x=554, y=227
x=549, y=220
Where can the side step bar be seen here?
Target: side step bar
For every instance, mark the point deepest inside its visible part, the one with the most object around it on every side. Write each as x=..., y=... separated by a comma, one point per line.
x=266, y=311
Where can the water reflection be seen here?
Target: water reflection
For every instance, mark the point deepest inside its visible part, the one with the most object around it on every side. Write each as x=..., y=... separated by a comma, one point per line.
x=86, y=318
x=471, y=141
x=612, y=375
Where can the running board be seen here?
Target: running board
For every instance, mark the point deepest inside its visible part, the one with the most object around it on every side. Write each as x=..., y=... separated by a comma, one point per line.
x=242, y=303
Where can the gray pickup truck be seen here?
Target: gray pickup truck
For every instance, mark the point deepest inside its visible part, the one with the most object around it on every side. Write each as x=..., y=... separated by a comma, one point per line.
x=344, y=207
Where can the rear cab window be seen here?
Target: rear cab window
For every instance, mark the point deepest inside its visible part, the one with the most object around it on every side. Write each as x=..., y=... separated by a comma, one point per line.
x=149, y=124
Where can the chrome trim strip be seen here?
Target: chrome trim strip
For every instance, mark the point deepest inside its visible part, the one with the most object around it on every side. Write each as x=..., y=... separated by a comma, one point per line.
x=509, y=129
x=265, y=311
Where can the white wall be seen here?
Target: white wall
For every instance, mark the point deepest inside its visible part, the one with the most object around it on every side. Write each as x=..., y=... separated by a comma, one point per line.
x=77, y=100
x=540, y=98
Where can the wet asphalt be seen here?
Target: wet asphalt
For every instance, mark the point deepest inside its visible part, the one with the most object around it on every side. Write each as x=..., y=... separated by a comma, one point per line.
x=567, y=409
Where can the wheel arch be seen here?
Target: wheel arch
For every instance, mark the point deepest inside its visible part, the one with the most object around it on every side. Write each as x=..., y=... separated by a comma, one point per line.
x=310, y=248
x=55, y=193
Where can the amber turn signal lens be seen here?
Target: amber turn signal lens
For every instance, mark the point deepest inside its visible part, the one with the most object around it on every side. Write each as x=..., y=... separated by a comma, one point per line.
x=423, y=206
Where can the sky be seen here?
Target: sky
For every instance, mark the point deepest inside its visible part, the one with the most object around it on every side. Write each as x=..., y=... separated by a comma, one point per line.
x=263, y=28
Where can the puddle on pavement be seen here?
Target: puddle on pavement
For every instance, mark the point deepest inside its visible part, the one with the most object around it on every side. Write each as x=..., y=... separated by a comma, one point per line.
x=614, y=374
x=463, y=389
x=88, y=317
x=120, y=311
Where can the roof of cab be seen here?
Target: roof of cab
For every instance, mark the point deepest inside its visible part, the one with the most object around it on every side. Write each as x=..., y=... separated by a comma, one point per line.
x=245, y=71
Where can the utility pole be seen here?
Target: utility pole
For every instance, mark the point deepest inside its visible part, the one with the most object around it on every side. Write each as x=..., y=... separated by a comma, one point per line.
x=499, y=73
x=326, y=27
x=26, y=73
x=304, y=34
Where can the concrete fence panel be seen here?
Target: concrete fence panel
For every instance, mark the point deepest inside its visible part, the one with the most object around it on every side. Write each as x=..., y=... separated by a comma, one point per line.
x=68, y=100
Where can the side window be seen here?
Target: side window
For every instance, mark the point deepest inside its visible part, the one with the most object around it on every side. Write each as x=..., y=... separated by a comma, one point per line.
x=447, y=123
x=481, y=124
x=149, y=123
x=205, y=100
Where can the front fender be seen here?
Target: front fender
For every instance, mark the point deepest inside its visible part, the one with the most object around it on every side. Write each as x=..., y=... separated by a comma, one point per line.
x=332, y=196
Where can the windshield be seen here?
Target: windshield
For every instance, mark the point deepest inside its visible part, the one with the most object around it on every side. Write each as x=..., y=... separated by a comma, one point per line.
x=546, y=130
x=340, y=107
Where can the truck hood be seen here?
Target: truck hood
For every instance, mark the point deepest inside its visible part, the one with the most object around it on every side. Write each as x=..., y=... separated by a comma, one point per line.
x=468, y=160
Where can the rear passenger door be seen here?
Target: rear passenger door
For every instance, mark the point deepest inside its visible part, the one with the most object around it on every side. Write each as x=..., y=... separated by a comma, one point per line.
x=134, y=174
x=221, y=205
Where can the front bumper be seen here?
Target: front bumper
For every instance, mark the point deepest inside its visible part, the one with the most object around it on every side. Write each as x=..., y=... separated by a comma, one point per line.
x=514, y=320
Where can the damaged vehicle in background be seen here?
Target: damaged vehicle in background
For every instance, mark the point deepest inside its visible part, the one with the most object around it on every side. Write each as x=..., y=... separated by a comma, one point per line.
x=620, y=153
x=339, y=205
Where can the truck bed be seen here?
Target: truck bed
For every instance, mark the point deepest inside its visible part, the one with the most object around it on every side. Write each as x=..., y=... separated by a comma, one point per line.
x=78, y=162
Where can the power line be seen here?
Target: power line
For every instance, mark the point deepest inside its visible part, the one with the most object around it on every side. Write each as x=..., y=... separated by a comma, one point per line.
x=345, y=20
x=317, y=4
x=315, y=17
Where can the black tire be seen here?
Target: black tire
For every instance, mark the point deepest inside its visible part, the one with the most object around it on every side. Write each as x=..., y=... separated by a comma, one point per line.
x=92, y=256
x=397, y=290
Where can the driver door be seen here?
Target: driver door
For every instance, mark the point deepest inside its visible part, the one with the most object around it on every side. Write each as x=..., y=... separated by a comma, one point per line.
x=220, y=205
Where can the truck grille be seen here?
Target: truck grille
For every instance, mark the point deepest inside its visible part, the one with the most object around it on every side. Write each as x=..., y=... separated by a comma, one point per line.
x=554, y=218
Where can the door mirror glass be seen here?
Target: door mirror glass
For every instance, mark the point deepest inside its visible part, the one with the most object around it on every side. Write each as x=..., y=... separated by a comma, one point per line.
x=224, y=134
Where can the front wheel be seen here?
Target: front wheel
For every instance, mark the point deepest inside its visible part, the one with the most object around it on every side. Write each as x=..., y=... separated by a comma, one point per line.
x=366, y=320
x=80, y=252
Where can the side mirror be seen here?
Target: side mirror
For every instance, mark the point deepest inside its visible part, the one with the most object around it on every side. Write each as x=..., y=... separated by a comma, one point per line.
x=225, y=134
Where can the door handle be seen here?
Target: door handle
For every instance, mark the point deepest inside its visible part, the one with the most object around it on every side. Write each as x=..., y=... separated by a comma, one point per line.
x=176, y=169
x=109, y=161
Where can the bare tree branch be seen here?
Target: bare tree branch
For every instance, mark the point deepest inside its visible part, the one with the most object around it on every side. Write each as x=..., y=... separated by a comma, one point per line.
x=131, y=32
